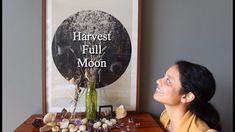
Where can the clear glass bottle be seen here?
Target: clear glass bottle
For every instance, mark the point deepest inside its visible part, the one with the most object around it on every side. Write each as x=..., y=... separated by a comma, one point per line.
x=91, y=100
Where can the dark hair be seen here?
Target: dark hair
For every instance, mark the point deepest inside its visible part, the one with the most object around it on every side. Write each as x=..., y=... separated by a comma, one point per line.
x=200, y=81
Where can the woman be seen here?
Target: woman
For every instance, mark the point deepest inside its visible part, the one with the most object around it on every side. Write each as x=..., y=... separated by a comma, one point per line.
x=185, y=91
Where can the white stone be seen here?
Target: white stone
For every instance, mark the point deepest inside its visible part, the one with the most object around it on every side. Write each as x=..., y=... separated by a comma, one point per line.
x=103, y=119
x=84, y=121
x=64, y=130
x=114, y=121
x=71, y=126
x=82, y=128
x=97, y=125
x=110, y=123
x=64, y=123
x=45, y=128
x=104, y=126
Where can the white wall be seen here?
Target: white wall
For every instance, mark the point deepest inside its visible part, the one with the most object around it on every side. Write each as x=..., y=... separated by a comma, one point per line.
x=197, y=30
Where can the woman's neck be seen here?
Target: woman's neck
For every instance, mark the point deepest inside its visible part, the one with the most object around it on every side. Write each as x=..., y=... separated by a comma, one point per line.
x=175, y=114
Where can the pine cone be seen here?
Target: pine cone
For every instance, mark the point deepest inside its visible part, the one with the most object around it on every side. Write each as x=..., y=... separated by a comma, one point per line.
x=38, y=122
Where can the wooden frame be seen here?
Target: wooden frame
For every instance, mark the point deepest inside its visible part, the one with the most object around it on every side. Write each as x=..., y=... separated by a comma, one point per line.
x=125, y=88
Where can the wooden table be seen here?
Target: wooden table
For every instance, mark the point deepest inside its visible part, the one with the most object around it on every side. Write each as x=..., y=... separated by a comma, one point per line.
x=143, y=122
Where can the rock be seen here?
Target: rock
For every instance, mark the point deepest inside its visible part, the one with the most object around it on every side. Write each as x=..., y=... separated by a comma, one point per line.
x=49, y=117
x=64, y=123
x=38, y=122
x=84, y=121
x=64, y=113
x=103, y=119
x=104, y=126
x=74, y=129
x=45, y=128
x=120, y=112
x=55, y=129
x=82, y=128
x=97, y=125
x=64, y=130
x=114, y=121
x=71, y=126
x=52, y=124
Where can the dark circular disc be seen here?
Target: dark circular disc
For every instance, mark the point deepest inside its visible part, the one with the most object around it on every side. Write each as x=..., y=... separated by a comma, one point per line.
x=91, y=39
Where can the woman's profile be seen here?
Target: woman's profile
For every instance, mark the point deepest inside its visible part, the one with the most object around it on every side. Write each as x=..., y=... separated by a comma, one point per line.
x=185, y=90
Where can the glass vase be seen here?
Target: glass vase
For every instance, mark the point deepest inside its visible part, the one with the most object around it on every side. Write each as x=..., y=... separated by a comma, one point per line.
x=91, y=100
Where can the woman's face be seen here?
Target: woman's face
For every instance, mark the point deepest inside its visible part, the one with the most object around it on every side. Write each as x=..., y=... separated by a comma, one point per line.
x=168, y=87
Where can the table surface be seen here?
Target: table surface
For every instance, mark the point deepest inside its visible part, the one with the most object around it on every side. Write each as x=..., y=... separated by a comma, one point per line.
x=143, y=122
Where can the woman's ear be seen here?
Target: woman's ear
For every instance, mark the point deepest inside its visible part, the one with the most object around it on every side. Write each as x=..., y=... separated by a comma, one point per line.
x=188, y=97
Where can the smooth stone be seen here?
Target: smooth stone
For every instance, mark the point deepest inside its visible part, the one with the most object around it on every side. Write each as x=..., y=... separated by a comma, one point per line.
x=104, y=126
x=45, y=128
x=82, y=128
x=55, y=128
x=71, y=126
x=120, y=112
x=64, y=130
x=97, y=125
x=114, y=121
x=49, y=117
x=84, y=121
x=52, y=124
x=74, y=129
x=64, y=123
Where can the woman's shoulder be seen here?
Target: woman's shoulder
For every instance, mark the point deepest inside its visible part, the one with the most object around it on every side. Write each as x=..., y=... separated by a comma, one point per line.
x=190, y=122
x=198, y=125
